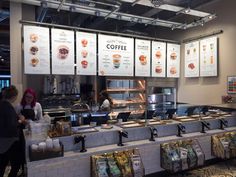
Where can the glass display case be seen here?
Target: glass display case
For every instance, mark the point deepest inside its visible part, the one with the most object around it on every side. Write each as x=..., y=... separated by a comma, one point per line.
x=127, y=95
x=160, y=99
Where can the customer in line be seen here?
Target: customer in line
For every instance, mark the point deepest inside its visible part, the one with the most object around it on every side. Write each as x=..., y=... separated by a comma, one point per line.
x=9, y=135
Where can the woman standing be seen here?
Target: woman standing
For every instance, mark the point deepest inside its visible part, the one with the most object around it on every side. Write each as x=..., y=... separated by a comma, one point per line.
x=9, y=135
x=30, y=110
x=29, y=107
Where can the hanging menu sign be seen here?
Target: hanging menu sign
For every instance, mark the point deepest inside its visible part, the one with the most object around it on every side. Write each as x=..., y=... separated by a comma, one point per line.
x=191, y=68
x=116, y=56
x=173, y=60
x=142, y=57
x=36, y=50
x=158, y=59
x=62, y=52
x=208, y=57
x=86, y=59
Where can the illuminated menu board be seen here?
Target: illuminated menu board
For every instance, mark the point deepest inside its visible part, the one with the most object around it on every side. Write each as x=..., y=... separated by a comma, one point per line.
x=208, y=57
x=173, y=60
x=191, y=61
x=158, y=59
x=86, y=48
x=142, y=57
x=36, y=50
x=62, y=51
x=115, y=56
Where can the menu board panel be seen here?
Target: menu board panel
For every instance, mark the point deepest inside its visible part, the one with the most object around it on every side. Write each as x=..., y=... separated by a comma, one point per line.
x=158, y=59
x=62, y=51
x=173, y=60
x=191, y=64
x=36, y=50
x=142, y=57
x=115, y=56
x=208, y=57
x=86, y=48
x=231, y=84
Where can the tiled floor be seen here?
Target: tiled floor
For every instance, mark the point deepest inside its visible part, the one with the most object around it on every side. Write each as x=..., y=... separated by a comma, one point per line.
x=220, y=169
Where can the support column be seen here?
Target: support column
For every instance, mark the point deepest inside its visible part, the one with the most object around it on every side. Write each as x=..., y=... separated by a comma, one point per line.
x=16, y=64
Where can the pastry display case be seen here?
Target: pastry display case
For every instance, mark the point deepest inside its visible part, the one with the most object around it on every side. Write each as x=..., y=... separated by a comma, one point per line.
x=224, y=145
x=181, y=155
x=127, y=95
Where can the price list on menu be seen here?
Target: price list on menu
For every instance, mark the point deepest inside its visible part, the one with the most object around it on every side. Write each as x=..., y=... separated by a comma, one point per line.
x=208, y=57
x=158, y=59
x=86, y=53
x=232, y=84
x=62, y=52
x=142, y=57
x=173, y=60
x=191, y=68
x=115, y=56
x=36, y=50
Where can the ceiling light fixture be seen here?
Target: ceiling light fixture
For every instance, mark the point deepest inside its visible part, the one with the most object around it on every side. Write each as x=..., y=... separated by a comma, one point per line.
x=118, y=17
x=132, y=20
x=139, y=20
x=72, y=9
x=156, y=3
x=184, y=11
x=97, y=13
x=44, y=4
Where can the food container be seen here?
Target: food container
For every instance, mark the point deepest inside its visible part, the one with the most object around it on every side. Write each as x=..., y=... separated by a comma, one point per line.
x=46, y=153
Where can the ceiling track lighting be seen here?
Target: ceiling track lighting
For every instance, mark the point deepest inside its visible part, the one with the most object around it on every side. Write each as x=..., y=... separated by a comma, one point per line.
x=115, y=10
x=135, y=2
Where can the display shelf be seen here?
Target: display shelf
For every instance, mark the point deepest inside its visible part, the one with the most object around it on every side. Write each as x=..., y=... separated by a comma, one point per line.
x=126, y=90
x=128, y=94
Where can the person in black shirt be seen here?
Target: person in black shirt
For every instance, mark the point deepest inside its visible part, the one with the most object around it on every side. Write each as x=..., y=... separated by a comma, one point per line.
x=9, y=134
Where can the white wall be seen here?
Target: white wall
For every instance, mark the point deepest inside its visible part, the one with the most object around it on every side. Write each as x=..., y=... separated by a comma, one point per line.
x=209, y=90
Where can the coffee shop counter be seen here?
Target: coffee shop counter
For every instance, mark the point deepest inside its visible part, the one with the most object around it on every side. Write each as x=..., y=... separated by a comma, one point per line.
x=74, y=163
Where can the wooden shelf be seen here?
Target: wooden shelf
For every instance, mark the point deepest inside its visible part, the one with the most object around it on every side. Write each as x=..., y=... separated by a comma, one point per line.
x=125, y=90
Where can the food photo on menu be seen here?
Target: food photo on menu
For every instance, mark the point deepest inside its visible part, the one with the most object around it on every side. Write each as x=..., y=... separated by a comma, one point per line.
x=84, y=42
x=34, y=50
x=33, y=38
x=158, y=69
x=34, y=61
x=143, y=59
x=116, y=60
x=173, y=70
x=63, y=51
x=173, y=56
x=191, y=66
x=158, y=54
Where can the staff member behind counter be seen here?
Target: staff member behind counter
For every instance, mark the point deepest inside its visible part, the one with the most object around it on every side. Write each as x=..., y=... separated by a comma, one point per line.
x=105, y=101
x=29, y=107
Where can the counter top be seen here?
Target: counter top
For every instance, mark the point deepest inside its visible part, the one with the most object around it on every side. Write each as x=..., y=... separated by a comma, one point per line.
x=231, y=106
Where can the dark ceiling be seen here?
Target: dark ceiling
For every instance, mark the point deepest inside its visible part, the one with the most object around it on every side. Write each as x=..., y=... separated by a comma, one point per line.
x=48, y=15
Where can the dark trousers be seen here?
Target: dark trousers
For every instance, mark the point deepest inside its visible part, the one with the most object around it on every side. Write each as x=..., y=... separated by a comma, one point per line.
x=12, y=156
